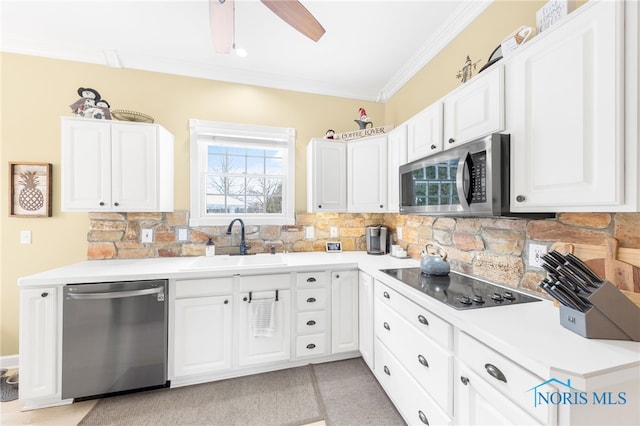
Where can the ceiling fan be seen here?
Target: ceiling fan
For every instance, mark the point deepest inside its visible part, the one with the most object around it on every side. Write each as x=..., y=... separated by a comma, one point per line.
x=221, y=16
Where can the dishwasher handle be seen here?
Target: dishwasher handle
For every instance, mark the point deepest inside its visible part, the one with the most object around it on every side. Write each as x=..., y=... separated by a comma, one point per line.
x=119, y=294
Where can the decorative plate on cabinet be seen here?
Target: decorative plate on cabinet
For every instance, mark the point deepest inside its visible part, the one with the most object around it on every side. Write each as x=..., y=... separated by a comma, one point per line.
x=125, y=115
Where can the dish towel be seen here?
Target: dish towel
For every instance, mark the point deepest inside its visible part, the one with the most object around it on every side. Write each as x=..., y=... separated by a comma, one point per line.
x=262, y=317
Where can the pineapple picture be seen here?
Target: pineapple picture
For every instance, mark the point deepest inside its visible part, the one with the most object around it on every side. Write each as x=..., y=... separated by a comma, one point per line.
x=30, y=197
x=30, y=189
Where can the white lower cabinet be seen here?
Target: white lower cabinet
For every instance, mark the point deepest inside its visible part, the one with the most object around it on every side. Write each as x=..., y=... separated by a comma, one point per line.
x=365, y=317
x=414, y=404
x=39, y=345
x=403, y=331
x=344, y=311
x=255, y=347
x=312, y=330
x=202, y=321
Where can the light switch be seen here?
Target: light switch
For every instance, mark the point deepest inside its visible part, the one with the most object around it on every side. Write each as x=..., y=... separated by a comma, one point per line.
x=309, y=232
x=25, y=237
x=333, y=232
x=399, y=233
x=183, y=234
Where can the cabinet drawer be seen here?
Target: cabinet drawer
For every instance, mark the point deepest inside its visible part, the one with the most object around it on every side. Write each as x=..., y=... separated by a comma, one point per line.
x=509, y=378
x=265, y=282
x=308, y=279
x=425, y=360
x=415, y=405
x=428, y=324
x=311, y=322
x=313, y=344
x=204, y=287
x=311, y=299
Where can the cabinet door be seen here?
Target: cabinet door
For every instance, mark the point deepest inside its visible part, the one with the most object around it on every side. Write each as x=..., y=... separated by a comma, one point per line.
x=367, y=175
x=203, y=329
x=344, y=311
x=261, y=349
x=365, y=317
x=478, y=403
x=86, y=165
x=475, y=109
x=424, y=132
x=396, y=156
x=326, y=176
x=135, y=173
x=38, y=343
x=565, y=102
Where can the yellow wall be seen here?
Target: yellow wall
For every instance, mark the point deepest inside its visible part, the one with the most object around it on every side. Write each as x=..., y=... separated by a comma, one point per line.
x=37, y=91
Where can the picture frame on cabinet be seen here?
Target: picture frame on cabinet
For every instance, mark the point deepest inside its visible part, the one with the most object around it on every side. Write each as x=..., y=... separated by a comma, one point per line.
x=30, y=189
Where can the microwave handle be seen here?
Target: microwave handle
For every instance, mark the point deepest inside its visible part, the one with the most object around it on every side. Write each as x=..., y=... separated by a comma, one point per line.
x=463, y=180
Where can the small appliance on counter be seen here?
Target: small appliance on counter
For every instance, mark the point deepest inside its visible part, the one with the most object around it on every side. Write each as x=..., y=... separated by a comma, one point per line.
x=377, y=240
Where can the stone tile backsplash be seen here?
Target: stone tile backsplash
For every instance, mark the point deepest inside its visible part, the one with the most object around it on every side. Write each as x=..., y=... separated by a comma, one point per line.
x=493, y=248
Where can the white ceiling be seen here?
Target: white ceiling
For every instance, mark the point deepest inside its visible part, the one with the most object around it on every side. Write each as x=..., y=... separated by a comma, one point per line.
x=371, y=48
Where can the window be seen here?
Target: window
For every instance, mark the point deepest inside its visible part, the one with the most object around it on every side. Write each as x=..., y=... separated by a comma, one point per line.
x=240, y=170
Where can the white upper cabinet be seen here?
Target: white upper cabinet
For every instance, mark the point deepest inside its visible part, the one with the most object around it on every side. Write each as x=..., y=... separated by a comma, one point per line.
x=367, y=175
x=113, y=166
x=475, y=109
x=424, y=132
x=566, y=115
x=326, y=176
x=396, y=156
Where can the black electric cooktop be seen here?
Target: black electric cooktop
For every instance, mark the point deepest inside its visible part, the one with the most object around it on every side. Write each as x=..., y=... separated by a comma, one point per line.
x=459, y=291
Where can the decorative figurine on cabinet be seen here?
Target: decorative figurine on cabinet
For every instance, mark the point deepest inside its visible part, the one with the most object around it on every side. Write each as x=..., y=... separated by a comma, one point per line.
x=329, y=134
x=88, y=99
x=364, y=120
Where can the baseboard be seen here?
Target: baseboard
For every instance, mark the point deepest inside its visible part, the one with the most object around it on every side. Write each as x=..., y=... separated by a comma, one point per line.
x=9, y=361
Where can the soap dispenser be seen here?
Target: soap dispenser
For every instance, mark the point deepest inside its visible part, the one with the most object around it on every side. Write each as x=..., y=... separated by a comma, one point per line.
x=210, y=250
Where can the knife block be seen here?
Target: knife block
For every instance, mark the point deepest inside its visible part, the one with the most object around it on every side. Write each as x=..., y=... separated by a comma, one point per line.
x=612, y=316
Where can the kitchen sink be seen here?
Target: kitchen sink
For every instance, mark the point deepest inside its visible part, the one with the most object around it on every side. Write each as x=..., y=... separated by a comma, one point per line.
x=232, y=262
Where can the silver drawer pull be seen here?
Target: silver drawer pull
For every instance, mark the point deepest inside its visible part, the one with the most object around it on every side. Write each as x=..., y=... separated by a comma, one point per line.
x=386, y=295
x=423, y=417
x=311, y=300
x=311, y=346
x=495, y=372
x=386, y=326
x=386, y=370
x=422, y=360
x=311, y=322
x=422, y=320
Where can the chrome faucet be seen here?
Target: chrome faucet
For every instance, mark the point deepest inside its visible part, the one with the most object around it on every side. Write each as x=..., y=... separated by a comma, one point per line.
x=243, y=246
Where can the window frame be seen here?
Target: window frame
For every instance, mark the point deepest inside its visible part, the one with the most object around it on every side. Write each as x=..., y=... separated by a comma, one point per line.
x=200, y=131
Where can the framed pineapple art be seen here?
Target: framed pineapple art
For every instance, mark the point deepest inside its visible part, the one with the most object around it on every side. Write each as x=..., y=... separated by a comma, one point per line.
x=30, y=189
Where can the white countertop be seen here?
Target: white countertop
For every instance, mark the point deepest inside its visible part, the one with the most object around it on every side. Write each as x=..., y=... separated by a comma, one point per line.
x=530, y=333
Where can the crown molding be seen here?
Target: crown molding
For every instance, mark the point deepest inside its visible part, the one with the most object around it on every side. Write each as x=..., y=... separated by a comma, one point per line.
x=466, y=13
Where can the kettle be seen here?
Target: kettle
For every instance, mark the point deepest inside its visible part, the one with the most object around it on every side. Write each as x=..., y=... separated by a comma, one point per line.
x=434, y=262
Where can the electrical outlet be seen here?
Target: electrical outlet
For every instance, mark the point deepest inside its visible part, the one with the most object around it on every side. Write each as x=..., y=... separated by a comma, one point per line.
x=182, y=234
x=536, y=251
x=25, y=237
x=399, y=233
x=146, y=236
x=309, y=232
x=333, y=232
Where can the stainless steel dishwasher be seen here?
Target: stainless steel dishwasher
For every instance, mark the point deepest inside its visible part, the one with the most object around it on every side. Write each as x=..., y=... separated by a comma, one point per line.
x=114, y=337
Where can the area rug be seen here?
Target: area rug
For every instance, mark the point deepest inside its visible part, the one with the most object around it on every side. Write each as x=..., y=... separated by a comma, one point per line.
x=342, y=393
x=351, y=395
x=285, y=397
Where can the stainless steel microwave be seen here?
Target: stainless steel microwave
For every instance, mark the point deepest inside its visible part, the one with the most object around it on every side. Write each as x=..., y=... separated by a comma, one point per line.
x=469, y=180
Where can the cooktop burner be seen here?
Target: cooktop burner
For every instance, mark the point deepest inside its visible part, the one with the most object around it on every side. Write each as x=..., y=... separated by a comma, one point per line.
x=459, y=291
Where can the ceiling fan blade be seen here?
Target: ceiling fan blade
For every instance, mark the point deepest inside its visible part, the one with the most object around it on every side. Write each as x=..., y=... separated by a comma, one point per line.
x=295, y=14
x=221, y=22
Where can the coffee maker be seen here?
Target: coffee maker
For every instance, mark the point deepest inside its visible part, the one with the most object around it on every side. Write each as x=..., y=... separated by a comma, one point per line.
x=376, y=239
